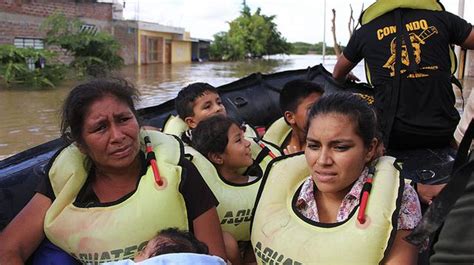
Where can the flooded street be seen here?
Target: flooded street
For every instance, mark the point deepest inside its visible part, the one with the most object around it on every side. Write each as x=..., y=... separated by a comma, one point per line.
x=31, y=117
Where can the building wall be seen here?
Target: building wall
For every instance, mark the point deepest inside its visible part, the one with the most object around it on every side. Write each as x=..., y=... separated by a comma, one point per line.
x=71, y=8
x=143, y=48
x=126, y=35
x=13, y=25
x=164, y=35
x=180, y=51
x=23, y=18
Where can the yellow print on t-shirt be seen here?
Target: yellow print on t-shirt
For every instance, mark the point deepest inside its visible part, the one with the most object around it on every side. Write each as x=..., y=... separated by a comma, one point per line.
x=416, y=42
x=414, y=25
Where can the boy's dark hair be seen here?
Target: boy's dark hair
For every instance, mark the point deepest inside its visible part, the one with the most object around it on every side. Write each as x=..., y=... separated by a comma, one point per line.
x=295, y=91
x=184, y=101
x=179, y=241
x=211, y=134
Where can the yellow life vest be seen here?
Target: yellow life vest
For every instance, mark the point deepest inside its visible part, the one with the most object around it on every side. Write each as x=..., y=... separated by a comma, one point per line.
x=236, y=201
x=278, y=132
x=176, y=126
x=119, y=231
x=281, y=235
x=381, y=7
x=263, y=152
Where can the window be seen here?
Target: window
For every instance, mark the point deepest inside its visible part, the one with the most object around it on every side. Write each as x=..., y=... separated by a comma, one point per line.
x=152, y=50
x=29, y=43
x=88, y=29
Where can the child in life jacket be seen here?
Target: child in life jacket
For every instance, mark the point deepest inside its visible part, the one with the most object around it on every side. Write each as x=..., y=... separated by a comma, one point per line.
x=221, y=140
x=289, y=132
x=197, y=102
x=173, y=246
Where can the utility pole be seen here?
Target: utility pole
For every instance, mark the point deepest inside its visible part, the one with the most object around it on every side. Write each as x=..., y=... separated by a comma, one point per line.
x=137, y=11
x=324, y=32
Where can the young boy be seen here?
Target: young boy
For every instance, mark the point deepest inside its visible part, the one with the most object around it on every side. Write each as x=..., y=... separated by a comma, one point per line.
x=193, y=103
x=197, y=102
x=296, y=98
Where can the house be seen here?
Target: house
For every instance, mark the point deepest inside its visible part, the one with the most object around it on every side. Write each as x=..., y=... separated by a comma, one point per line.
x=200, y=49
x=148, y=43
x=141, y=42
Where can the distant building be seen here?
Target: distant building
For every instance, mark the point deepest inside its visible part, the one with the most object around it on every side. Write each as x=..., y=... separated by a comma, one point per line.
x=148, y=43
x=141, y=42
x=200, y=49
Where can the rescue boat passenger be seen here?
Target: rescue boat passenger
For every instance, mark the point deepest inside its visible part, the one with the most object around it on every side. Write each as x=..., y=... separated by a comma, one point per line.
x=194, y=103
x=296, y=98
x=325, y=214
x=100, y=188
x=221, y=140
x=173, y=246
x=197, y=102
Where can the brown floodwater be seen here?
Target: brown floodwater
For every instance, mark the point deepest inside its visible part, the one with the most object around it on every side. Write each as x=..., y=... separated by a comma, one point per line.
x=31, y=117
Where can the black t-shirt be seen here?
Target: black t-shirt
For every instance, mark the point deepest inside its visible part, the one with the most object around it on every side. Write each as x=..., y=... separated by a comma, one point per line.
x=426, y=99
x=197, y=195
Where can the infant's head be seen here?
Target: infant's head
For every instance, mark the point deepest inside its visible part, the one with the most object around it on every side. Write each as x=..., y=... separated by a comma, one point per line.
x=172, y=240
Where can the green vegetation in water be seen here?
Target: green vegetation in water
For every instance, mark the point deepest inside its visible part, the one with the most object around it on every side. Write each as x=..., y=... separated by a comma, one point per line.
x=22, y=66
x=249, y=36
x=308, y=48
x=95, y=53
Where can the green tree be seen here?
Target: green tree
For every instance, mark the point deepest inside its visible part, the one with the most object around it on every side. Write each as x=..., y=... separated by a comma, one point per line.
x=249, y=36
x=221, y=48
x=95, y=53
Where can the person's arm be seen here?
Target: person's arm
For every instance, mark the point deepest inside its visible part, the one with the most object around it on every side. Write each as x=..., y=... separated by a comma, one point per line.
x=342, y=68
x=201, y=206
x=25, y=232
x=469, y=42
x=402, y=252
x=409, y=216
x=207, y=229
x=427, y=192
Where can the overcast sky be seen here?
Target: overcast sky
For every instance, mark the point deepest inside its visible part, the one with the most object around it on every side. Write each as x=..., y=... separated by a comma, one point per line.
x=301, y=20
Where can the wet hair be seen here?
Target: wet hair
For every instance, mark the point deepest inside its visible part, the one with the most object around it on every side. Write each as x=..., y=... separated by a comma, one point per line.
x=211, y=134
x=81, y=98
x=295, y=91
x=353, y=106
x=184, y=101
x=179, y=241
